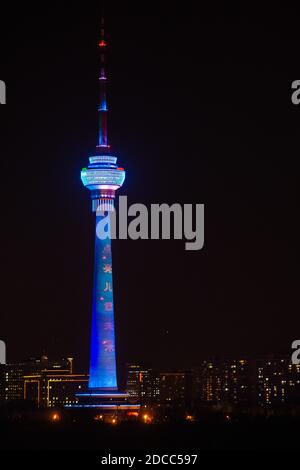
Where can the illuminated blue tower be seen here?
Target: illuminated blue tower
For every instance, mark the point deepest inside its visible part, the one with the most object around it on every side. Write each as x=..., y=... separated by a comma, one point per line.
x=103, y=177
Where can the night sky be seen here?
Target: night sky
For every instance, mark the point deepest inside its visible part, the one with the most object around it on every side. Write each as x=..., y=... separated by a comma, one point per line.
x=201, y=112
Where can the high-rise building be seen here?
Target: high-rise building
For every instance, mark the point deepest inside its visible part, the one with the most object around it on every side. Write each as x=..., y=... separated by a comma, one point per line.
x=52, y=388
x=278, y=381
x=175, y=388
x=12, y=374
x=225, y=381
x=142, y=384
x=103, y=177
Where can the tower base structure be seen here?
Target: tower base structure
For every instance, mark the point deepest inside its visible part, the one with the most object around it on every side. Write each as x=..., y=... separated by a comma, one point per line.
x=106, y=400
x=107, y=406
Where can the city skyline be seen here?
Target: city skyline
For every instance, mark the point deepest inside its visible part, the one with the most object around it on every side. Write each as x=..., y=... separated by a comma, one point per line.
x=267, y=382
x=171, y=112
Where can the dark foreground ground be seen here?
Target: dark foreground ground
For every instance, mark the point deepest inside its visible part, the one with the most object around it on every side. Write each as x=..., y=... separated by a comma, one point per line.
x=267, y=434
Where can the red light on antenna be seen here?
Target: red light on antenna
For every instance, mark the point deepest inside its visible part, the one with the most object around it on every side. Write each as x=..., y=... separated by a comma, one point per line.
x=102, y=43
x=120, y=169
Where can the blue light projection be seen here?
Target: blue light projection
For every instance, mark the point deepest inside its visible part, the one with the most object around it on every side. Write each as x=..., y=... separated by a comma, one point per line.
x=103, y=374
x=103, y=106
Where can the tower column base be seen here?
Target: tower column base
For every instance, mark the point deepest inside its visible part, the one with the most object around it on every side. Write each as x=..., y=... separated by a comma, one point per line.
x=109, y=400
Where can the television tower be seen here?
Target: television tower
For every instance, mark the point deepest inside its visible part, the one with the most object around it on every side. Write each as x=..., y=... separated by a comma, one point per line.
x=103, y=178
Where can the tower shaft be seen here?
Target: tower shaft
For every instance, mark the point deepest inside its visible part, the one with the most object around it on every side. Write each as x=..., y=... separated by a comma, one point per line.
x=103, y=372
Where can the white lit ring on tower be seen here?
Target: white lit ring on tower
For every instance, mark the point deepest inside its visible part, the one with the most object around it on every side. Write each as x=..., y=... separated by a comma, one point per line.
x=103, y=177
x=103, y=159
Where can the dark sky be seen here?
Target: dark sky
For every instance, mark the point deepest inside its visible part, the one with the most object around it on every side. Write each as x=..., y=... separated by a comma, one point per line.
x=200, y=113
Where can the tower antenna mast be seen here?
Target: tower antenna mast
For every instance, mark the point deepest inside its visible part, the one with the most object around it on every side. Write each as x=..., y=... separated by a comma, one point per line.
x=103, y=109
